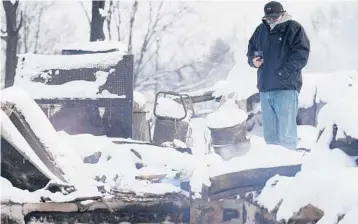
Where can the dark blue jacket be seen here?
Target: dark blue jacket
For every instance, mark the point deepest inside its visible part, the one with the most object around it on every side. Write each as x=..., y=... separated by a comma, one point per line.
x=286, y=51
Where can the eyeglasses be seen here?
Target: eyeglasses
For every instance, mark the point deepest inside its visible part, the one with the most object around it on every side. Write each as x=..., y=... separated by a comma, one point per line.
x=272, y=18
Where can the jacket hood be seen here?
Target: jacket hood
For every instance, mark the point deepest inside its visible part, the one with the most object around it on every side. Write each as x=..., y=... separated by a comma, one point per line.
x=286, y=17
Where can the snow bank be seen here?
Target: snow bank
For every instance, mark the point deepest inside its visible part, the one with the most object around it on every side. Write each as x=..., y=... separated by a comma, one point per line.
x=96, y=46
x=63, y=154
x=78, y=89
x=228, y=115
x=14, y=137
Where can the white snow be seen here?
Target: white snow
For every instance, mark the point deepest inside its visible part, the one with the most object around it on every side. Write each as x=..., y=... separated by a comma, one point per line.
x=307, y=135
x=332, y=113
x=14, y=137
x=167, y=107
x=78, y=89
x=9, y=193
x=63, y=154
x=330, y=191
x=139, y=99
x=228, y=115
x=96, y=46
x=260, y=155
x=327, y=180
x=31, y=65
x=117, y=162
x=351, y=216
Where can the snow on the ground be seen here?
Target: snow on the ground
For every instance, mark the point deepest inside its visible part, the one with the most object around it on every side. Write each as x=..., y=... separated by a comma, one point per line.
x=307, y=136
x=96, y=46
x=79, y=89
x=10, y=133
x=228, y=115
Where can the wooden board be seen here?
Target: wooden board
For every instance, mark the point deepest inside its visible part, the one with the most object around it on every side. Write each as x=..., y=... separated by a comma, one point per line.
x=255, y=178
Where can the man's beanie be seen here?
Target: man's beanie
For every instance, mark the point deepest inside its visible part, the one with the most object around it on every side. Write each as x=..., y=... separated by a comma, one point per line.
x=273, y=9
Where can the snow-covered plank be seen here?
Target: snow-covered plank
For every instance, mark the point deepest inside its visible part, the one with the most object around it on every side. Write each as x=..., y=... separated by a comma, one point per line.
x=43, y=135
x=95, y=46
x=30, y=65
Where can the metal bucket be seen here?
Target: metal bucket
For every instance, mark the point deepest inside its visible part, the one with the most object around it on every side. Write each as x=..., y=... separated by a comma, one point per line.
x=230, y=142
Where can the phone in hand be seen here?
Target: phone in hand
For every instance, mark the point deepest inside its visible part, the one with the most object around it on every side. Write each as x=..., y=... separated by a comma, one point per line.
x=259, y=54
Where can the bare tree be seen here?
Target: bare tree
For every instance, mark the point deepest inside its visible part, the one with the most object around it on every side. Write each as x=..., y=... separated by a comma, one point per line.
x=131, y=24
x=157, y=26
x=12, y=35
x=111, y=8
x=31, y=28
x=97, y=21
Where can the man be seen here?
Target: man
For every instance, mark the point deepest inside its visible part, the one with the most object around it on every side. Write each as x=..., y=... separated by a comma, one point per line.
x=279, y=48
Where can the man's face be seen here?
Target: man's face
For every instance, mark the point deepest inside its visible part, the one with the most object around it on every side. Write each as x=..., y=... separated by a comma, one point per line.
x=273, y=19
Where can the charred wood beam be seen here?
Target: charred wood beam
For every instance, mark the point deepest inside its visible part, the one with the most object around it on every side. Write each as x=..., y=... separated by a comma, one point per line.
x=249, y=178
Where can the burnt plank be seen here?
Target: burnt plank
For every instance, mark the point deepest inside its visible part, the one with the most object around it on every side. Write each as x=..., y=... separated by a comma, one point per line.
x=249, y=178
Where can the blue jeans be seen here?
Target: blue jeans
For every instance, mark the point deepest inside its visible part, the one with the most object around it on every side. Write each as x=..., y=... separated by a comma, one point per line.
x=279, y=112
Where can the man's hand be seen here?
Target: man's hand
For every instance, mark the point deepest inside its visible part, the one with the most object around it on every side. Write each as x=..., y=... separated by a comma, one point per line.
x=258, y=62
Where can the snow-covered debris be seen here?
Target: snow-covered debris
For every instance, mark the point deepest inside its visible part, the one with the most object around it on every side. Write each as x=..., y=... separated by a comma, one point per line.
x=260, y=155
x=10, y=193
x=78, y=89
x=14, y=137
x=328, y=179
x=117, y=161
x=30, y=65
x=167, y=107
x=96, y=46
x=243, y=83
x=63, y=154
x=228, y=115
x=139, y=99
x=334, y=192
x=332, y=113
